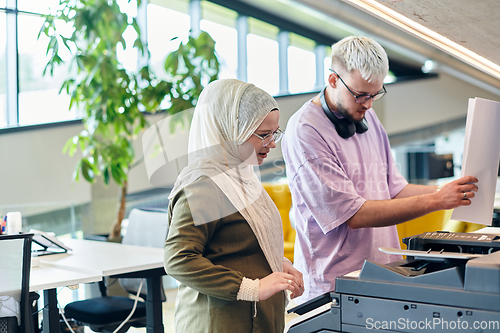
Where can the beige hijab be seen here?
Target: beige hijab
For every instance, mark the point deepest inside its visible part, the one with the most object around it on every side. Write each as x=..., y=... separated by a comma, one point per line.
x=227, y=113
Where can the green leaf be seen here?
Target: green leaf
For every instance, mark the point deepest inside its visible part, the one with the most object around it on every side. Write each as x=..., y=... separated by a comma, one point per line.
x=105, y=175
x=76, y=171
x=65, y=42
x=73, y=146
x=92, y=124
x=172, y=63
x=118, y=174
x=67, y=145
x=43, y=29
x=87, y=170
x=52, y=46
x=145, y=73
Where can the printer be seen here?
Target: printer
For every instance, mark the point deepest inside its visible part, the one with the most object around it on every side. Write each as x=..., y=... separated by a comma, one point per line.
x=449, y=282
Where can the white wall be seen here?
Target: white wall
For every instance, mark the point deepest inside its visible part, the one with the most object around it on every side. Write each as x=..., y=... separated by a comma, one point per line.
x=34, y=171
x=417, y=104
x=35, y=175
x=139, y=178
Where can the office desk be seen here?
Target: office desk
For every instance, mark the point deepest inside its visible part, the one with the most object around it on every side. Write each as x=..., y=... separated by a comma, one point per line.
x=105, y=257
x=47, y=277
x=90, y=261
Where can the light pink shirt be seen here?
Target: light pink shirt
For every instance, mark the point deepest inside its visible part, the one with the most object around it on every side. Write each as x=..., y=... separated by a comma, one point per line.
x=330, y=179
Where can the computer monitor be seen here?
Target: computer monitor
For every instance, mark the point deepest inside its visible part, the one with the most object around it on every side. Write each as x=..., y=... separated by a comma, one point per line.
x=426, y=165
x=440, y=166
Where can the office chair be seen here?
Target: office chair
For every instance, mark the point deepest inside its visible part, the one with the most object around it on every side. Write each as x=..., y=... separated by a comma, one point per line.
x=282, y=198
x=147, y=227
x=15, y=308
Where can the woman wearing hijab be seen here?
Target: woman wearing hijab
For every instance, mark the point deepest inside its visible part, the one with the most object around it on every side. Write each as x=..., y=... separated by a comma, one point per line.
x=225, y=242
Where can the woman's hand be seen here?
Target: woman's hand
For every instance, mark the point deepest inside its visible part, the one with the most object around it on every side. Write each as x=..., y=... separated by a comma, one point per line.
x=276, y=282
x=288, y=268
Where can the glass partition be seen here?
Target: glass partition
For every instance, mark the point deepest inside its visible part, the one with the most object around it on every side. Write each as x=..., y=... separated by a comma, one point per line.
x=3, y=72
x=11, y=272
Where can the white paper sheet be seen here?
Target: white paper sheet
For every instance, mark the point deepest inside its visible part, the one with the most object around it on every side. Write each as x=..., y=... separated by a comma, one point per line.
x=480, y=159
x=430, y=254
x=488, y=230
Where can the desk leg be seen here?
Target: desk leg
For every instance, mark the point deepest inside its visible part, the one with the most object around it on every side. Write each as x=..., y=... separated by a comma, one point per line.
x=50, y=312
x=154, y=323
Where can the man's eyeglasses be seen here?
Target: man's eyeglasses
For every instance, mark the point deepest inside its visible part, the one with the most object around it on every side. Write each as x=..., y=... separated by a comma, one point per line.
x=268, y=138
x=360, y=99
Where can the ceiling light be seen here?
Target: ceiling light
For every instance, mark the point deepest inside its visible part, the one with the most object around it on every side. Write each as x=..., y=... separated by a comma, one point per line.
x=433, y=38
x=429, y=66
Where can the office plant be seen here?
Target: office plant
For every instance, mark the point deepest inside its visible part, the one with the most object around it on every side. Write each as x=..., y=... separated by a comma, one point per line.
x=114, y=99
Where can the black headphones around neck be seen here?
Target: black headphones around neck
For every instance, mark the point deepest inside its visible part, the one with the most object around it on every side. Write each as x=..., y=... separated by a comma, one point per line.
x=345, y=128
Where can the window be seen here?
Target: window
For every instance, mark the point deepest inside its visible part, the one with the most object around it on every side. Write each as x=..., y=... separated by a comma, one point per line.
x=163, y=25
x=220, y=23
x=390, y=78
x=37, y=6
x=128, y=57
x=39, y=98
x=167, y=24
x=3, y=74
x=328, y=62
x=263, y=56
x=301, y=64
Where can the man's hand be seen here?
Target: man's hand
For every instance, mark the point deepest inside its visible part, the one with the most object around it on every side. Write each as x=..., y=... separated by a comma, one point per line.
x=458, y=192
x=412, y=202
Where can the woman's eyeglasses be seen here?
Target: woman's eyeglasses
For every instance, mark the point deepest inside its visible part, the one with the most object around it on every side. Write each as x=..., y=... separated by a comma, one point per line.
x=268, y=138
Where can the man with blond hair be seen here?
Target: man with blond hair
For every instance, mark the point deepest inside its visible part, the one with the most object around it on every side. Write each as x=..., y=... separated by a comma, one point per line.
x=348, y=194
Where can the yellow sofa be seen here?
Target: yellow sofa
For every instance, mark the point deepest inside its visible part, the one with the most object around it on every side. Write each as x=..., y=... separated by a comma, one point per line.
x=461, y=226
x=280, y=194
x=434, y=221
x=439, y=220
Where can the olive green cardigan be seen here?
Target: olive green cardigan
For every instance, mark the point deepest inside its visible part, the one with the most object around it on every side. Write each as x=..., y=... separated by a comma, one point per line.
x=210, y=260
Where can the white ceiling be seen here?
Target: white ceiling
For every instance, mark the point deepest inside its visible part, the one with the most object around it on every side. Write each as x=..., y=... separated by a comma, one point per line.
x=471, y=24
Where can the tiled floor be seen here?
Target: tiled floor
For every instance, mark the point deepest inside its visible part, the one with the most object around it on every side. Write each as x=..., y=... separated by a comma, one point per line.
x=65, y=295
x=168, y=314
